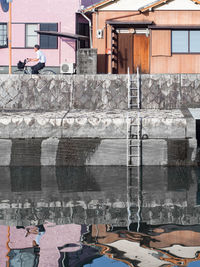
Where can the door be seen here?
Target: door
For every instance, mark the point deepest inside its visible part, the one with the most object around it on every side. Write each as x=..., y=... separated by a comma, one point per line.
x=125, y=53
x=141, y=53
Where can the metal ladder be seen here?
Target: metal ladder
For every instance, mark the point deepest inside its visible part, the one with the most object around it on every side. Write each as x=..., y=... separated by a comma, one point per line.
x=134, y=125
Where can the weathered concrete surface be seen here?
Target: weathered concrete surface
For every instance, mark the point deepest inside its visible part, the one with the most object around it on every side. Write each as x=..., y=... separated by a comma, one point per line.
x=86, y=61
x=78, y=124
x=170, y=91
x=92, y=92
x=79, y=138
x=94, y=151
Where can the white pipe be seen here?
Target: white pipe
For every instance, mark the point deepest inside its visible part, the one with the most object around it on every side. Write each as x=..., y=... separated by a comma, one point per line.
x=90, y=27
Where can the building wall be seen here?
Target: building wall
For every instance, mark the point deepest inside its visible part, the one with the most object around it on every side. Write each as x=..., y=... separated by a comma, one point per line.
x=163, y=63
x=46, y=11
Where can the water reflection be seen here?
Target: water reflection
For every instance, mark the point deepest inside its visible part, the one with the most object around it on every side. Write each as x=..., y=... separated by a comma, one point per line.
x=96, y=216
x=99, y=195
x=99, y=245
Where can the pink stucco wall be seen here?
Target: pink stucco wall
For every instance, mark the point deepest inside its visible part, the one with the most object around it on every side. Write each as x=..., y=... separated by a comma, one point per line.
x=54, y=237
x=45, y=11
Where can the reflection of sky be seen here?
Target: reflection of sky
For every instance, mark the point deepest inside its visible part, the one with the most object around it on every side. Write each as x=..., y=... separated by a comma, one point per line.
x=106, y=262
x=194, y=264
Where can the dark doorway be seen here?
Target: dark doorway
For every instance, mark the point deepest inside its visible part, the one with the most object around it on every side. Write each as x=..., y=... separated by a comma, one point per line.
x=198, y=132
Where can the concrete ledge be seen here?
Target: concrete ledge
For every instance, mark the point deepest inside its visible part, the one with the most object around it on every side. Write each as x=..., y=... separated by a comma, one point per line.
x=98, y=124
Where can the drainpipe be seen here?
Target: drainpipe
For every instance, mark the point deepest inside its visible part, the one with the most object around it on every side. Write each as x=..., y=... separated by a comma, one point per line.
x=90, y=27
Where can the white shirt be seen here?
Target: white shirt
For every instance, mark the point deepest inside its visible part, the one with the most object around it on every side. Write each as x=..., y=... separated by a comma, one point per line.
x=41, y=56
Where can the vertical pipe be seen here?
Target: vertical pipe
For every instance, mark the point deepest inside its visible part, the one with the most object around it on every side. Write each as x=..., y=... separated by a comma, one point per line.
x=10, y=37
x=90, y=28
x=59, y=44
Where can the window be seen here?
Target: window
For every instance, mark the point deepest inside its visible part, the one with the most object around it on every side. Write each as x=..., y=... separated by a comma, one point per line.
x=31, y=35
x=186, y=41
x=46, y=41
x=83, y=29
x=3, y=35
x=195, y=41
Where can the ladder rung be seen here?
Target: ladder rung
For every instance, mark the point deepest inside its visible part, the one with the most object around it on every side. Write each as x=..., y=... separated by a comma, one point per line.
x=133, y=146
x=134, y=156
x=133, y=88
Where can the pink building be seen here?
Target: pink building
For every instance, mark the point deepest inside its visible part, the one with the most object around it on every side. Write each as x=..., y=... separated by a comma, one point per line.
x=45, y=15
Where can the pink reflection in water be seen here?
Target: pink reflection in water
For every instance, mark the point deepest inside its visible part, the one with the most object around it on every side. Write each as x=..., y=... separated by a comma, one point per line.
x=55, y=236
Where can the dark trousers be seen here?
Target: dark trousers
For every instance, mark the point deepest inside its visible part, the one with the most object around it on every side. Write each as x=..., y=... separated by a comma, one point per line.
x=37, y=67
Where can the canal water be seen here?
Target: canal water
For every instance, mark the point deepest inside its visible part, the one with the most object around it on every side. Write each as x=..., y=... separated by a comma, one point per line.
x=99, y=216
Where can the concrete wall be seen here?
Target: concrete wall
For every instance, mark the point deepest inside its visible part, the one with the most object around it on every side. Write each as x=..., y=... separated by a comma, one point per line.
x=82, y=119
x=77, y=138
x=92, y=92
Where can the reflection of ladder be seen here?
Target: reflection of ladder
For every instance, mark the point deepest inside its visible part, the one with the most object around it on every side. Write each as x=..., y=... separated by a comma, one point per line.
x=134, y=124
x=134, y=151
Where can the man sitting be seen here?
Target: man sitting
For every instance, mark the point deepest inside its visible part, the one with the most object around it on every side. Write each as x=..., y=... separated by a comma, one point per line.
x=40, y=58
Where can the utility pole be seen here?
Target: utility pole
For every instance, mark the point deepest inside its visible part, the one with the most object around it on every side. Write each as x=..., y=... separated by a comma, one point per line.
x=10, y=36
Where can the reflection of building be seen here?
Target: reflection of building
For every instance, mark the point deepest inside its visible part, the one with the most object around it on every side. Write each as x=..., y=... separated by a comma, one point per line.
x=158, y=36
x=178, y=245
x=20, y=247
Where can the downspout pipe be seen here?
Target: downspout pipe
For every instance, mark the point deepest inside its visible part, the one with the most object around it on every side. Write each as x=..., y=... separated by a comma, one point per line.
x=90, y=27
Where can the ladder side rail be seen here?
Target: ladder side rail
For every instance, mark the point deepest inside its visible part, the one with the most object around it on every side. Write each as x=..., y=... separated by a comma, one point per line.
x=138, y=87
x=129, y=89
x=127, y=138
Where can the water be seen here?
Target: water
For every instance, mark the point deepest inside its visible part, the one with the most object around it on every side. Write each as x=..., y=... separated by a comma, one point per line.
x=99, y=216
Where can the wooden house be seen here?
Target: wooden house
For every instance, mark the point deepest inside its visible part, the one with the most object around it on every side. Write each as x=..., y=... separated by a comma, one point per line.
x=158, y=37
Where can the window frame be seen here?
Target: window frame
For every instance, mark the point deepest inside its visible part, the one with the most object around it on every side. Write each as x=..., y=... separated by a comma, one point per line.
x=49, y=36
x=6, y=45
x=25, y=43
x=184, y=53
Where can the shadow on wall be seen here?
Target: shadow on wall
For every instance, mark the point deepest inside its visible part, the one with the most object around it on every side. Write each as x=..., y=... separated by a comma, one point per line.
x=102, y=63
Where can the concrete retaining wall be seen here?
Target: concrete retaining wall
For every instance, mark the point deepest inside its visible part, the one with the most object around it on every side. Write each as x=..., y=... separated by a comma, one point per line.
x=89, y=152
x=92, y=92
x=79, y=138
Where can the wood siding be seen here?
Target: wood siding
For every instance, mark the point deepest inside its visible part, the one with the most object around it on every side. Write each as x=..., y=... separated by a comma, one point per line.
x=158, y=63
x=161, y=43
x=176, y=64
x=141, y=53
x=125, y=52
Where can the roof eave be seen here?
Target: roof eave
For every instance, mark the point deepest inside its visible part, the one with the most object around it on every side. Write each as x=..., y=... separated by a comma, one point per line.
x=96, y=6
x=196, y=1
x=152, y=5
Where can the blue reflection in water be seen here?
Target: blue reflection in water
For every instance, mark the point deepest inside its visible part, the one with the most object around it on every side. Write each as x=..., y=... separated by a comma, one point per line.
x=194, y=264
x=106, y=262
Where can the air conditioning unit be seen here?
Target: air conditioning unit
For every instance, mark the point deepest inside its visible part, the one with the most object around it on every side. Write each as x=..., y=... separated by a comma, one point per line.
x=67, y=68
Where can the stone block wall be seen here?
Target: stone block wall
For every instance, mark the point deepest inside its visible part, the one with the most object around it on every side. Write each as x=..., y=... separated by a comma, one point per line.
x=97, y=92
